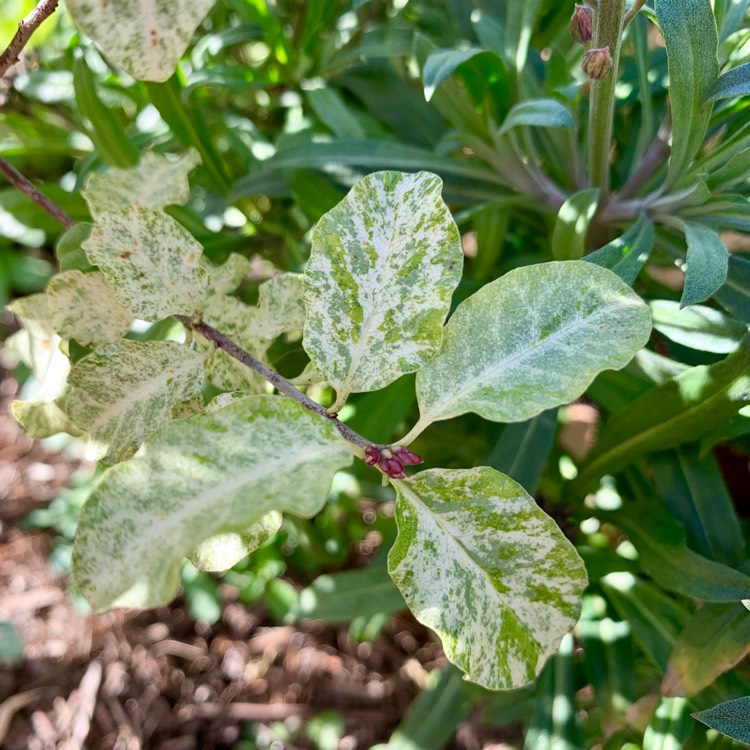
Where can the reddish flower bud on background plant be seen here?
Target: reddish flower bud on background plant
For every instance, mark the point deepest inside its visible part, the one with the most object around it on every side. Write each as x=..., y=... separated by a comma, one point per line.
x=581, y=24
x=597, y=63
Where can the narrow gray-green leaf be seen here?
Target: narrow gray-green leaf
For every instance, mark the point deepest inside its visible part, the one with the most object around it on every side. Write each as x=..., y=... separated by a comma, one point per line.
x=543, y=113
x=503, y=344
x=698, y=327
x=670, y=726
x=707, y=263
x=151, y=262
x=155, y=182
x=193, y=480
x=691, y=39
x=572, y=224
x=146, y=38
x=378, y=285
x=440, y=64
x=480, y=563
x=124, y=390
x=732, y=84
x=225, y=550
x=83, y=307
x=731, y=718
x=627, y=254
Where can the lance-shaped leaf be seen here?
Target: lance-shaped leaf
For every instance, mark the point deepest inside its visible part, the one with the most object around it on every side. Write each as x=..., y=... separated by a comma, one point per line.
x=731, y=718
x=193, y=480
x=691, y=39
x=732, y=84
x=83, y=307
x=151, y=262
x=124, y=390
x=146, y=38
x=155, y=182
x=379, y=281
x=707, y=263
x=572, y=224
x=222, y=552
x=481, y=564
x=626, y=255
x=543, y=113
x=533, y=339
x=280, y=306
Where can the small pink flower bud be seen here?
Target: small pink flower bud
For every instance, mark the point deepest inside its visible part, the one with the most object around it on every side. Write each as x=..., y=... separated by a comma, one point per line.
x=392, y=467
x=581, y=24
x=406, y=457
x=597, y=63
x=372, y=455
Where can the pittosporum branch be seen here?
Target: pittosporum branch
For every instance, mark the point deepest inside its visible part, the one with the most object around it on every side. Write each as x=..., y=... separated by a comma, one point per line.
x=388, y=458
x=26, y=28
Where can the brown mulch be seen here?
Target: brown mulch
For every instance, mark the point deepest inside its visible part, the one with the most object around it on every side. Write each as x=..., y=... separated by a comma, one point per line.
x=160, y=679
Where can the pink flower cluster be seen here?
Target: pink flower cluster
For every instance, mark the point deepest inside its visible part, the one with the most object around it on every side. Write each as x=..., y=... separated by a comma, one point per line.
x=391, y=459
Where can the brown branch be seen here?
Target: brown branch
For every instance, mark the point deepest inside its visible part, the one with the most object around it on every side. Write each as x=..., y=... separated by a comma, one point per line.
x=25, y=186
x=26, y=28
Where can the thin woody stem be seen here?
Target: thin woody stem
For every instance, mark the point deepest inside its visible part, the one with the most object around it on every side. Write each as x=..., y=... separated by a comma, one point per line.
x=279, y=382
x=26, y=28
x=26, y=186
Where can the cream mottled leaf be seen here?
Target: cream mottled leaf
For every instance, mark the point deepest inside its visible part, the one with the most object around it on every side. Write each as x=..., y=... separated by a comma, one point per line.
x=146, y=38
x=378, y=285
x=281, y=308
x=228, y=276
x=192, y=480
x=124, y=390
x=83, y=307
x=480, y=563
x=151, y=262
x=222, y=552
x=531, y=340
x=41, y=420
x=155, y=182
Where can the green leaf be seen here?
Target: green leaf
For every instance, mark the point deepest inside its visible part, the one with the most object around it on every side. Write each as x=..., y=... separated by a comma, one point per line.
x=378, y=285
x=543, y=113
x=716, y=639
x=481, y=564
x=731, y=85
x=520, y=19
x=332, y=111
x=69, y=251
x=691, y=39
x=151, y=262
x=342, y=597
x=41, y=420
x=146, y=38
x=11, y=645
x=124, y=390
x=83, y=307
x=496, y=358
x=155, y=182
x=627, y=254
x=441, y=64
x=195, y=479
x=683, y=409
x=572, y=224
x=670, y=726
x=221, y=552
x=698, y=327
x=731, y=719
x=434, y=716
x=707, y=263
x=734, y=296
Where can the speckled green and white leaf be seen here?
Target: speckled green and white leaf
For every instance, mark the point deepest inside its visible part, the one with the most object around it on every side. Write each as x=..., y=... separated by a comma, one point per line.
x=480, y=563
x=309, y=376
x=281, y=308
x=378, y=285
x=223, y=551
x=531, y=340
x=189, y=408
x=146, y=38
x=39, y=347
x=192, y=480
x=155, y=182
x=228, y=276
x=124, y=390
x=151, y=262
x=83, y=307
x=41, y=420
x=228, y=314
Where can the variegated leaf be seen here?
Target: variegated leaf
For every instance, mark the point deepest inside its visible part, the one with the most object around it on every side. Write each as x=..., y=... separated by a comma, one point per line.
x=228, y=276
x=155, y=182
x=41, y=420
x=124, y=390
x=195, y=479
x=531, y=340
x=223, y=551
x=481, y=564
x=378, y=285
x=151, y=262
x=281, y=308
x=83, y=307
x=146, y=38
